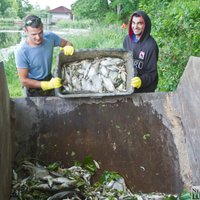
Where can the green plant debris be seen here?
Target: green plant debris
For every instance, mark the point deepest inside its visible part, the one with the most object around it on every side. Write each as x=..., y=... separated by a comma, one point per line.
x=146, y=136
x=52, y=182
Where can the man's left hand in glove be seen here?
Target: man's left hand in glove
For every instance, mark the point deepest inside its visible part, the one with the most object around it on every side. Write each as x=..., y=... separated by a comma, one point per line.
x=136, y=82
x=68, y=50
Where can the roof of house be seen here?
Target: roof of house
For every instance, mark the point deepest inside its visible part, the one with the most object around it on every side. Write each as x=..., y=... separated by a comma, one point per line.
x=60, y=9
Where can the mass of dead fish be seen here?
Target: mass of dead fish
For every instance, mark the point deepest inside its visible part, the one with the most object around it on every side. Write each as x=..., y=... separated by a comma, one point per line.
x=34, y=181
x=37, y=182
x=99, y=75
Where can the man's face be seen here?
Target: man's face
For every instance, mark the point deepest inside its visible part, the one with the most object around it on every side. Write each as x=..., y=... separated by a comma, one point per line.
x=35, y=35
x=138, y=25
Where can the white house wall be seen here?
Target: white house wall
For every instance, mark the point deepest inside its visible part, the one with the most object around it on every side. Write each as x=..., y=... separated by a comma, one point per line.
x=57, y=17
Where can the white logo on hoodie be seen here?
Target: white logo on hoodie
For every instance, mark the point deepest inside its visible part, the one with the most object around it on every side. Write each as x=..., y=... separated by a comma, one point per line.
x=141, y=55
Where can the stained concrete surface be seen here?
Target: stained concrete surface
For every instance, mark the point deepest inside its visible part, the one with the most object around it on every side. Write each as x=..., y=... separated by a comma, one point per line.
x=5, y=138
x=122, y=134
x=186, y=102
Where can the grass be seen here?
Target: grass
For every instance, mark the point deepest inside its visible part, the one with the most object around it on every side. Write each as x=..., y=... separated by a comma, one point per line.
x=14, y=85
x=99, y=37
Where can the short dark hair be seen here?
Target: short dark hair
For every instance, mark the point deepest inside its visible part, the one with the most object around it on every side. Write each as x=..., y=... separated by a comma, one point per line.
x=136, y=15
x=33, y=21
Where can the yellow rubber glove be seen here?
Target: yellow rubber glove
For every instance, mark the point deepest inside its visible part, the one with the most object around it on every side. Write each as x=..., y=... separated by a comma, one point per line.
x=68, y=50
x=136, y=82
x=53, y=83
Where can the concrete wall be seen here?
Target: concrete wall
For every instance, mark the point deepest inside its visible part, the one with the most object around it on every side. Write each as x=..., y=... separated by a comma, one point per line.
x=186, y=102
x=5, y=138
x=125, y=134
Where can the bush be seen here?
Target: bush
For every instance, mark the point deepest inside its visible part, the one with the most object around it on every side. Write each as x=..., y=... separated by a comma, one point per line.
x=175, y=27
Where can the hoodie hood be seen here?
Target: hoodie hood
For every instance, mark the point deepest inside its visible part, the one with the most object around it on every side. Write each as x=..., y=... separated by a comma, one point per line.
x=147, y=29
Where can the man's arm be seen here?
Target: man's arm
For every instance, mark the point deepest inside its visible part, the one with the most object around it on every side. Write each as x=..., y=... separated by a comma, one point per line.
x=67, y=47
x=25, y=81
x=31, y=83
x=65, y=43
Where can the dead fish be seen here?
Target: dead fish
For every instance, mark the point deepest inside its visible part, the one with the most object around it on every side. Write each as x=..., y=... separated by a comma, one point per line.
x=55, y=188
x=93, y=70
x=97, y=84
x=67, y=77
x=63, y=180
x=86, y=66
x=76, y=83
x=121, y=88
x=67, y=195
x=118, y=184
x=113, y=75
x=108, y=84
x=49, y=180
x=104, y=71
x=86, y=84
x=123, y=76
x=37, y=171
x=113, y=61
x=89, y=76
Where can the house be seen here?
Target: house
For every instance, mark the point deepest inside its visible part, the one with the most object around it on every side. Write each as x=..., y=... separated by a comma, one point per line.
x=59, y=13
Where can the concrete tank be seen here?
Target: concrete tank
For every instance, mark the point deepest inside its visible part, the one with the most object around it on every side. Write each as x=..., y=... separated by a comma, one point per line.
x=113, y=130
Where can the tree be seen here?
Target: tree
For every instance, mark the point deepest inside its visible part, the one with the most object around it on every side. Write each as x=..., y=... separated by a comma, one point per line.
x=10, y=13
x=124, y=8
x=111, y=10
x=24, y=8
x=4, y=4
x=90, y=9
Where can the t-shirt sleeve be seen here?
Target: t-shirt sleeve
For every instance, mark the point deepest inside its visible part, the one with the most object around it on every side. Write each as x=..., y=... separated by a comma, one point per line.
x=56, y=39
x=20, y=59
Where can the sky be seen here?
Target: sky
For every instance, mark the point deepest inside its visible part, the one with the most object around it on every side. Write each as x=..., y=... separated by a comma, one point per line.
x=52, y=3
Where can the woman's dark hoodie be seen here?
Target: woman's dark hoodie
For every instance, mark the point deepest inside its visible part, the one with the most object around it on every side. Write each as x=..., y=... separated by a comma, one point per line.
x=145, y=55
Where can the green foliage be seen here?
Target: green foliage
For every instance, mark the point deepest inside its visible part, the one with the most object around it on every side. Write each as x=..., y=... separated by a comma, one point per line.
x=126, y=7
x=14, y=8
x=24, y=8
x=4, y=4
x=10, y=12
x=89, y=164
x=176, y=31
x=53, y=166
x=185, y=195
x=108, y=176
x=14, y=85
x=9, y=40
x=111, y=18
x=90, y=9
x=170, y=197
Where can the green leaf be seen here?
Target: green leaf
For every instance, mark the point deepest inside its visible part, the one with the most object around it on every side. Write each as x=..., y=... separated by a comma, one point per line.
x=108, y=176
x=89, y=164
x=53, y=166
x=185, y=195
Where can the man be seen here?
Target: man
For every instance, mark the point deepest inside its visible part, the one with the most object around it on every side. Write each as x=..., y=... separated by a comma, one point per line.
x=34, y=55
x=145, y=52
